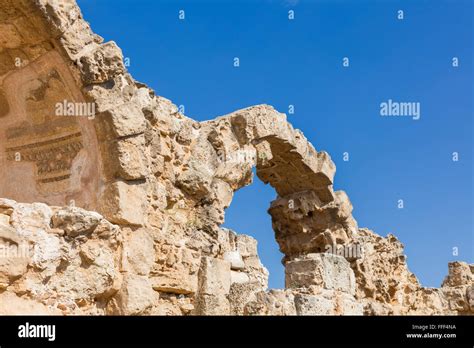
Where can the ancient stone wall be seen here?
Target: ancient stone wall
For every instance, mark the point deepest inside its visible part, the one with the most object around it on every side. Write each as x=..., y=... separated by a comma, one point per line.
x=119, y=211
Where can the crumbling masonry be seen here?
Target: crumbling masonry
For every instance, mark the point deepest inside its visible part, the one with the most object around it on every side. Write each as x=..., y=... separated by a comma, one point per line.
x=132, y=201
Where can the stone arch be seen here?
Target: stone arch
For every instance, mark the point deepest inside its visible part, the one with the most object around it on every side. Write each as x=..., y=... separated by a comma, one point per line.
x=138, y=156
x=307, y=214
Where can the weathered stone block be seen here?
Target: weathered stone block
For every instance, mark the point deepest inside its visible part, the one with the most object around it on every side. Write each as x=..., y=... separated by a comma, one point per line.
x=140, y=252
x=246, y=245
x=273, y=302
x=175, y=269
x=175, y=283
x=313, y=305
x=132, y=163
x=348, y=305
x=76, y=221
x=240, y=294
x=214, y=276
x=323, y=270
x=213, y=287
x=136, y=296
x=235, y=259
x=102, y=64
x=239, y=277
x=125, y=120
x=123, y=203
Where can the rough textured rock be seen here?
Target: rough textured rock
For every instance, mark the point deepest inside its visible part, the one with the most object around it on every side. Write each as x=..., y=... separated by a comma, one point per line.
x=273, y=302
x=324, y=270
x=135, y=297
x=312, y=304
x=214, y=287
x=134, y=195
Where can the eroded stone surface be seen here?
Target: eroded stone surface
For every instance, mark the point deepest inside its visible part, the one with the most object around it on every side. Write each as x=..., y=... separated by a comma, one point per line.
x=133, y=198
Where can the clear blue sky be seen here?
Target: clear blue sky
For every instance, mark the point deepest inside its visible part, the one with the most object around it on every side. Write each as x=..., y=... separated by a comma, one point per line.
x=299, y=62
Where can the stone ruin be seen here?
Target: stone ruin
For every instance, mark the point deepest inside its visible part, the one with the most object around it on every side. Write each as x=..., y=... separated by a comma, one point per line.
x=121, y=213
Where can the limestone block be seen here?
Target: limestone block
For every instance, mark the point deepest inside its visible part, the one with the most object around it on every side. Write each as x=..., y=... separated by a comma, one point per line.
x=135, y=297
x=246, y=245
x=313, y=305
x=75, y=221
x=256, y=271
x=196, y=179
x=273, y=302
x=240, y=294
x=33, y=223
x=239, y=277
x=9, y=234
x=123, y=203
x=304, y=223
x=344, y=205
x=235, y=259
x=175, y=269
x=348, y=305
x=126, y=120
x=140, y=252
x=132, y=162
x=213, y=287
x=322, y=270
x=102, y=63
x=326, y=167
x=214, y=276
x=174, y=283
x=91, y=273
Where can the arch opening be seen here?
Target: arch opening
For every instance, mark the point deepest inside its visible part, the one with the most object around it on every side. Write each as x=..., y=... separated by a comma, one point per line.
x=248, y=214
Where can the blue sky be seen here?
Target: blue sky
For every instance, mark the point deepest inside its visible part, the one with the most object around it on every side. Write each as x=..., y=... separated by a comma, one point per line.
x=299, y=62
